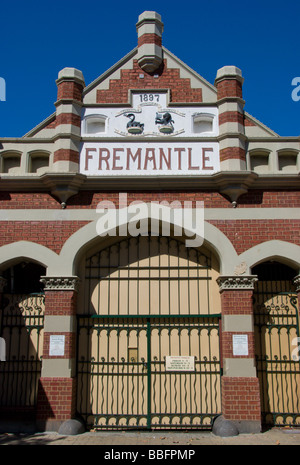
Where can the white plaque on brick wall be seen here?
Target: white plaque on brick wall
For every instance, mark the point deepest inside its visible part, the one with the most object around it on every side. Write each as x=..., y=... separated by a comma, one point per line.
x=240, y=344
x=57, y=345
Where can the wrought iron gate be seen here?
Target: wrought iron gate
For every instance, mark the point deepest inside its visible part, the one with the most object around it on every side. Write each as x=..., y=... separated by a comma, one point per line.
x=21, y=327
x=146, y=299
x=277, y=354
x=123, y=380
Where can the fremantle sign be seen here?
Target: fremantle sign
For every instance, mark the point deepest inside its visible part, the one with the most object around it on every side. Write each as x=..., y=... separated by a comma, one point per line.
x=149, y=159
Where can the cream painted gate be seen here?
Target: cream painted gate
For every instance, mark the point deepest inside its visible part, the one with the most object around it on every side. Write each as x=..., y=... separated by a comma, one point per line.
x=148, y=344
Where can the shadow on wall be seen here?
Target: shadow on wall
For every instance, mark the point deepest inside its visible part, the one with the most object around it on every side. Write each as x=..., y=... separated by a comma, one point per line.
x=21, y=329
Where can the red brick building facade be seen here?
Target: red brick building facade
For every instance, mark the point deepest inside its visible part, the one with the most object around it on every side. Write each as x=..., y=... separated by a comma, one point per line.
x=154, y=130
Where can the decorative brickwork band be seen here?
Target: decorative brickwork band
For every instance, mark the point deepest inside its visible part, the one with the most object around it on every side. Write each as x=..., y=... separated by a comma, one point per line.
x=231, y=153
x=66, y=155
x=65, y=283
x=68, y=118
x=236, y=282
x=229, y=88
x=165, y=78
x=231, y=117
x=149, y=39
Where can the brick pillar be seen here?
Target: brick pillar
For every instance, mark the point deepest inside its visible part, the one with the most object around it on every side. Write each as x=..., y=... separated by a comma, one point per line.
x=240, y=385
x=70, y=84
x=229, y=82
x=149, y=29
x=57, y=386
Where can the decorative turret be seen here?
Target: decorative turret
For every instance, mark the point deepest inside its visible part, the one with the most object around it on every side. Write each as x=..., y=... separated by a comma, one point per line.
x=229, y=83
x=149, y=29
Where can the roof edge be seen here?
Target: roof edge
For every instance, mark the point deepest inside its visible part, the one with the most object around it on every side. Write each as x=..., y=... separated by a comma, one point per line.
x=40, y=126
x=262, y=125
x=110, y=71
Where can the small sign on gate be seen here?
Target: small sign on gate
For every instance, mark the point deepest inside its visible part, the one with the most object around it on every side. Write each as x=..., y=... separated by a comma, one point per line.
x=180, y=363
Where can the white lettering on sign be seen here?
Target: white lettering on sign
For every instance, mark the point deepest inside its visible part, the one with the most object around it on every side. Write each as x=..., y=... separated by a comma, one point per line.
x=180, y=363
x=115, y=159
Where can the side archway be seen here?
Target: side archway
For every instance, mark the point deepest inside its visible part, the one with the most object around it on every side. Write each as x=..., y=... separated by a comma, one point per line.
x=25, y=250
x=280, y=251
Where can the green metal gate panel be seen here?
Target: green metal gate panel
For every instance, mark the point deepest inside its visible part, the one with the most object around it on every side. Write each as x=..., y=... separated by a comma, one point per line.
x=277, y=354
x=21, y=327
x=123, y=381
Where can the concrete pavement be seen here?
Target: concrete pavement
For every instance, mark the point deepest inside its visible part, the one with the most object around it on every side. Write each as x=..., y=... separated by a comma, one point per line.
x=186, y=440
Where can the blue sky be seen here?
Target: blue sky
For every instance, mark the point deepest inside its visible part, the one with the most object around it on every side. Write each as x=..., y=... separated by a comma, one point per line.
x=38, y=39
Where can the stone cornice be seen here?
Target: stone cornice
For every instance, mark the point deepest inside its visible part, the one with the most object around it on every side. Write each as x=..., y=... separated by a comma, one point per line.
x=63, y=185
x=232, y=283
x=60, y=283
x=232, y=184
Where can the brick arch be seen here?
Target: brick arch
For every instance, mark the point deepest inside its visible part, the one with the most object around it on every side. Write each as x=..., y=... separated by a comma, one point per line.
x=86, y=237
x=16, y=251
x=284, y=252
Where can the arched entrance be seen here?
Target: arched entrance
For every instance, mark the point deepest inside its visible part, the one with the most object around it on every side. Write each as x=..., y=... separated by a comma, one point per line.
x=148, y=336
x=21, y=329
x=277, y=340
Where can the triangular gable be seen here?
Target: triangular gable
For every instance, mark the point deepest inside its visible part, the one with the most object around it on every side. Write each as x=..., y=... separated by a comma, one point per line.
x=253, y=127
x=46, y=124
x=186, y=85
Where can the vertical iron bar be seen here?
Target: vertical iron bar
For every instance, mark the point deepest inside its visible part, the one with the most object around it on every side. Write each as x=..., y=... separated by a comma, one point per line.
x=138, y=279
x=119, y=266
x=148, y=373
x=169, y=277
x=118, y=362
x=188, y=280
x=108, y=365
x=159, y=275
x=178, y=281
x=128, y=277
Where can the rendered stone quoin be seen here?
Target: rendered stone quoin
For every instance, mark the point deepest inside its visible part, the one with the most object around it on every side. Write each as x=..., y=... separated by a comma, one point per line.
x=150, y=29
